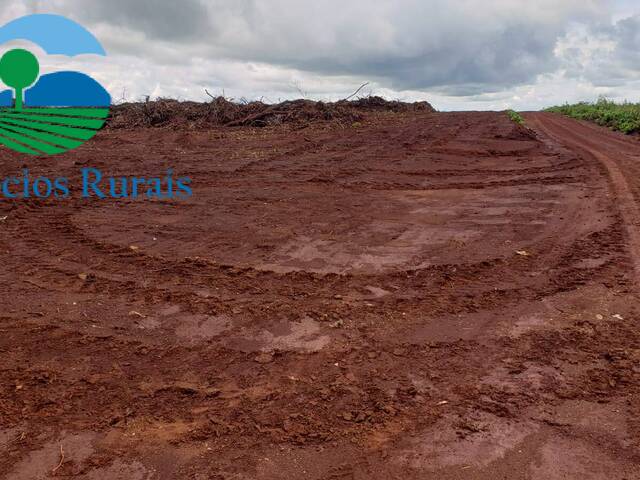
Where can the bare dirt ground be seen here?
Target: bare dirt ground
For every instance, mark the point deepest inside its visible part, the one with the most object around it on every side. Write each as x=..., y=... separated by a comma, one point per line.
x=416, y=295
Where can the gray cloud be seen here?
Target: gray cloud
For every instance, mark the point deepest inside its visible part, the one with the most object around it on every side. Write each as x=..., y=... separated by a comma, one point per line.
x=171, y=21
x=486, y=51
x=626, y=34
x=409, y=44
x=183, y=20
x=607, y=55
x=405, y=44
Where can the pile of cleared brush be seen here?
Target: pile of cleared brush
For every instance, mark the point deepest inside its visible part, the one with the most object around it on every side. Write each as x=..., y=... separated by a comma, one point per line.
x=223, y=112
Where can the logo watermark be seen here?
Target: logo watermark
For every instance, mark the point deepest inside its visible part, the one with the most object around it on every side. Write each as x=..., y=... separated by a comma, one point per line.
x=49, y=113
x=44, y=114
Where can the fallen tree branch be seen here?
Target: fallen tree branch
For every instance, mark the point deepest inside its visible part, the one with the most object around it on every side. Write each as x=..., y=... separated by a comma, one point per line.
x=356, y=92
x=274, y=110
x=53, y=472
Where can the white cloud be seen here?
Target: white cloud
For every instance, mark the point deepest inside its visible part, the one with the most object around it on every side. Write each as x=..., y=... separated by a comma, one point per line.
x=469, y=54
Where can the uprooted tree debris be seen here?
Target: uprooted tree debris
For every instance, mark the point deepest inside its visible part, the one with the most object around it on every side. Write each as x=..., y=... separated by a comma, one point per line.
x=223, y=112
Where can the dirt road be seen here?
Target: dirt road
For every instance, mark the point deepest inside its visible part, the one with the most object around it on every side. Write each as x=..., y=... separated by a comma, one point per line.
x=618, y=155
x=445, y=296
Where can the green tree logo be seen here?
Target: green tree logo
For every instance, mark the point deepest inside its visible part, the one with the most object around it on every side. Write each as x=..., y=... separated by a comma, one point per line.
x=48, y=112
x=41, y=130
x=19, y=70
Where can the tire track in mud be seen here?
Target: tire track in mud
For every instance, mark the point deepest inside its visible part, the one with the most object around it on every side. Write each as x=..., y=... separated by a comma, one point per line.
x=115, y=268
x=603, y=147
x=64, y=235
x=439, y=332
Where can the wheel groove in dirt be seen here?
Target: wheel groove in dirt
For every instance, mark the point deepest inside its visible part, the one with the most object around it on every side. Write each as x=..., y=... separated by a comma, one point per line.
x=577, y=137
x=477, y=309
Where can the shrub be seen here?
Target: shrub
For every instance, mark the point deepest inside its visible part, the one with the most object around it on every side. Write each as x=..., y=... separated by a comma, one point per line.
x=624, y=117
x=515, y=116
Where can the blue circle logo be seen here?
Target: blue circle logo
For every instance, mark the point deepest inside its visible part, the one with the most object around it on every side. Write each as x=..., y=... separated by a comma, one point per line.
x=46, y=113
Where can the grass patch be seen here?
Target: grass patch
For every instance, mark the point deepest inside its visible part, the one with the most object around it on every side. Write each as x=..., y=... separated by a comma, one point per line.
x=624, y=117
x=515, y=117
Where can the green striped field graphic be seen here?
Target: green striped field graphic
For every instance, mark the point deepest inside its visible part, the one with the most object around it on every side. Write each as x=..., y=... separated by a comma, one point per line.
x=48, y=131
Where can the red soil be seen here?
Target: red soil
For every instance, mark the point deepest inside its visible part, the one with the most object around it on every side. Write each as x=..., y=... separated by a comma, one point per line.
x=416, y=295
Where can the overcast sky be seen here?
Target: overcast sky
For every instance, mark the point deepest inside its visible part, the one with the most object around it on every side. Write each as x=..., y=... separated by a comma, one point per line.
x=458, y=55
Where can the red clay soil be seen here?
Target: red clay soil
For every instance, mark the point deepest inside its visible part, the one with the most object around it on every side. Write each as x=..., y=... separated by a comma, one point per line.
x=415, y=295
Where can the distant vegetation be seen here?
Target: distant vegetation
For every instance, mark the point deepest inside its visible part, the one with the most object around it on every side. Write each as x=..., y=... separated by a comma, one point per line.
x=624, y=117
x=515, y=116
